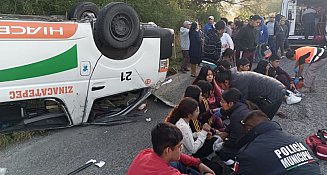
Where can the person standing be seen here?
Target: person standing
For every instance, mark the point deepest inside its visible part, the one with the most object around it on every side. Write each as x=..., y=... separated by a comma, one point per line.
x=185, y=45
x=308, y=19
x=226, y=40
x=273, y=30
x=212, y=45
x=281, y=36
x=210, y=25
x=195, y=47
x=270, y=151
x=246, y=40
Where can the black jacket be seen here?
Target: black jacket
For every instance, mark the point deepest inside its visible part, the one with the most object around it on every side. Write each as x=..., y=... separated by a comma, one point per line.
x=270, y=151
x=254, y=86
x=235, y=129
x=246, y=39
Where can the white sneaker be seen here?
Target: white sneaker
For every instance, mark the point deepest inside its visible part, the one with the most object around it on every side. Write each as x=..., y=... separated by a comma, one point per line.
x=298, y=93
x=229, y=162
x=292, y=99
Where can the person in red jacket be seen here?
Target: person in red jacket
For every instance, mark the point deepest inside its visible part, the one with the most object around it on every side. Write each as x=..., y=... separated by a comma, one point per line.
x=166, y=140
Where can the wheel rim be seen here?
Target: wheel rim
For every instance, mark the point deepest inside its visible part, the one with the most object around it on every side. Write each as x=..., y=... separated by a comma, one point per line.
x=120, y=27
x=87, y=15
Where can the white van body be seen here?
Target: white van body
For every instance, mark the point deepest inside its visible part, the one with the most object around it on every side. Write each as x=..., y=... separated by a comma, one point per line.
x=293, y=9
x=60, y=61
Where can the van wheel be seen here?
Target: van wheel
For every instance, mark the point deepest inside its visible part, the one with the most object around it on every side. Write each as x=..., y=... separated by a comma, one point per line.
x=118, y=25
x=83, y=10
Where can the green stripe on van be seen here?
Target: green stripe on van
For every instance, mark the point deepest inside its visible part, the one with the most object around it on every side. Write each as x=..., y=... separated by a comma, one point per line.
x=65, y=61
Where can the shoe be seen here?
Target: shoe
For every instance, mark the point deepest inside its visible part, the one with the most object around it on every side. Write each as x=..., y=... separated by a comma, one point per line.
x=229, y=162
x=292, y=99
x=193, y=75
x=298, y=93
x=305, y=90
x=187, y=69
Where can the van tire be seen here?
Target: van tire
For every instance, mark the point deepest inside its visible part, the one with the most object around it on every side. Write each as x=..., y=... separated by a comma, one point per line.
x=80, y=10
x=117, y=25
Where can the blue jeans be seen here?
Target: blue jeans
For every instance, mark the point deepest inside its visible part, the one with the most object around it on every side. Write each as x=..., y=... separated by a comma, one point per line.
x=183, y=169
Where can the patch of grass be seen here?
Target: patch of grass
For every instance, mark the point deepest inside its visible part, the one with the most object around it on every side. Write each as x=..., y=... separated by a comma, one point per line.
x=7, y=139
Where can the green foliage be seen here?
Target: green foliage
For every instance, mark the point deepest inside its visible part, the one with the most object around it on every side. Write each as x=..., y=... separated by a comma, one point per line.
x=6, y=139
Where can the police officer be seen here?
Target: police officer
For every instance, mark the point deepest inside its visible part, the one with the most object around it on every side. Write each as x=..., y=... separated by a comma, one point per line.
x=270, y=151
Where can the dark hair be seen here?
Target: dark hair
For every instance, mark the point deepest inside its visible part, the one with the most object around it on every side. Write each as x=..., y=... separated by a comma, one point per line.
x=232, y=95
x=290, y=54
x=193, y=27
x=239, y=24
x=203, y=74
x=255, y=17
x=193, y=91
x=185, y=107
x=226, y=64
x=225, y=20
x=222, y=74
x=205, y=86
x=165, y=135
x=261, y=67
x=255, y=114
x=242, y=62
x=274, y=57
x=220, y=25
x=228, y=52
x=230, y=22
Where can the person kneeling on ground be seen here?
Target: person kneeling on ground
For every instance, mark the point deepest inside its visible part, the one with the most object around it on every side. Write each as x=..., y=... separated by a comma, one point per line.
x=270, y=151
x=167, y=144
x=266, y=92
x=315, y=57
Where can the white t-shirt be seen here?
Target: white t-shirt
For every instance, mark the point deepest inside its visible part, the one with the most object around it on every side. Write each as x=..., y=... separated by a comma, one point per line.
x=226, y=42
x=189, y=145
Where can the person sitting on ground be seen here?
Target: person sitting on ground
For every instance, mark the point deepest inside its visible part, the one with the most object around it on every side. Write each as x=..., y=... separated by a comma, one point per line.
x=262, y=67
x=207, y=74
x=277, y=72
x=242, y=65
x=315, y=57
x=167, y=143
x=236, y=110
x=181, y=116
x=270, y=151
x=228, y=55
x=290, y=97
x=208, y=106
x=264, y=91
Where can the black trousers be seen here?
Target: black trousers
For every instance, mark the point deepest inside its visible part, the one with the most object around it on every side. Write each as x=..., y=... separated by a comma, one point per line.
x=270, y=108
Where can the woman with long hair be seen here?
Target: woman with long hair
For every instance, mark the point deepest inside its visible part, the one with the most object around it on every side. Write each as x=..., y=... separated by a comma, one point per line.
x=195, y=50
x=181, y=116
x=262, y=67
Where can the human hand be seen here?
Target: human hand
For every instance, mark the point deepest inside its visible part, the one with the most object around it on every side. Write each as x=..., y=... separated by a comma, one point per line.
x=206, y=127
x=205, y=170
x=292, y=86
x=209, y=135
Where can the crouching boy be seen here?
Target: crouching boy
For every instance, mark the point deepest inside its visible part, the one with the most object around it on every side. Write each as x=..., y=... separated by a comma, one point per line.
x=166, y=140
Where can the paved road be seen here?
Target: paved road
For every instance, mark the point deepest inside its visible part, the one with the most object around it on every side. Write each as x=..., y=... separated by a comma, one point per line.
x=62, y=151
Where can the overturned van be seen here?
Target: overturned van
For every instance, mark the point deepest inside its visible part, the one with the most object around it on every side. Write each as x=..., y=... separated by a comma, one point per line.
x=60, y=73
x=295, y=12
